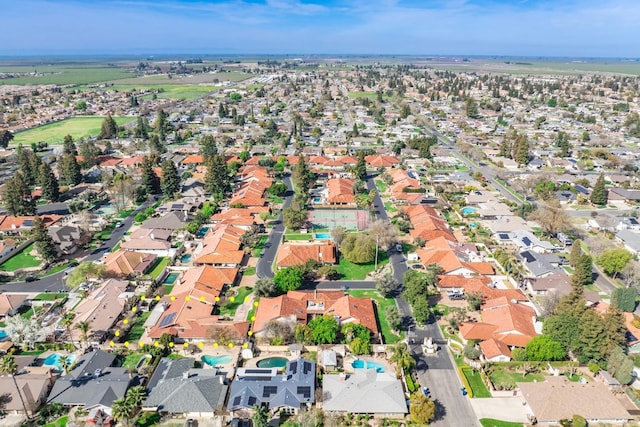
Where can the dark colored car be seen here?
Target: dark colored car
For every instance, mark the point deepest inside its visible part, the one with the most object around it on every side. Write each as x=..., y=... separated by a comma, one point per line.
x=30, y=279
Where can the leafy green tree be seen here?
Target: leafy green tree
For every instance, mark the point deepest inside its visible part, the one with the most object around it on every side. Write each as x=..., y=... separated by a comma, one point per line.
x=359, y=248
x=325, y=329
x=142, y=128
x=599, y=192
x=422, y=410
x=421, y=310
x=68, y=146
x=260, y=416
x=277, y=189
x=303, y=333
x=288, y=279
x=294, y=217
x=150, y=180
x=122, y=410
x=109, y=128
x=575, y=254
x=521, y=153
x=83, y=271
x=544, y=348
x=5, y=138
x=170, y=181
x=471, y=351
x=562, y=142
x=474, y=299
x=592, y=338
x=583, y=273
x=624, y=299
x=302, y=176
x=416, y=284
x=614, y=260
x=89, y=153
x=401, y=356
x=266, y=287
x=471, y=108
x=393, y=317
x=43, y=241
x=386, y=285
x=48, y=182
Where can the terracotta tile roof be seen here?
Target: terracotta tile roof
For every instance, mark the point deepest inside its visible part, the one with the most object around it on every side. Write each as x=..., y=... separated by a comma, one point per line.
x=340, y=190
x=492, y=348
x=221, y=246
x=348, y=160
x=440, y=251
x=299, y=305
x=381, y=160
x=193, y=159
x=477, y=330
x=132, y=161
x=333, y=163
x=235, y=216
x=293, y=160
x=124, y=263
x=15, y=223
x=514, y=320
x=291, y=254
x=109, y=161
x=454, y=281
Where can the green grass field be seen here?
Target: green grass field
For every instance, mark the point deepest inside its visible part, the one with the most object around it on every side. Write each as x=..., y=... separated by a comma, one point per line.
x=62, y=75
x=54, y=133
x=506, y=378
x=490, y=422
x=351, y=271
x=371, y=95
x=159, y=267
x=21, y=259
x=137, y=329
x=475, y=381
x=60, y=422
x=164, y=89
x=383, y=303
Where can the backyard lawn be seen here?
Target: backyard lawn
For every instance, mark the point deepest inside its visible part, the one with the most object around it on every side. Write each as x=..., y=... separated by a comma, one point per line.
x=382, y=303
x=506, y=379
x=21, y=259
x=229, y=309
x=298, y=236
x=351, y=271
x=131, y=361
x=137, y=329
x=490, y=422
x=60, y=422
x=382, y=186
x=475, y=381
x=161, y=264
x=54, y=133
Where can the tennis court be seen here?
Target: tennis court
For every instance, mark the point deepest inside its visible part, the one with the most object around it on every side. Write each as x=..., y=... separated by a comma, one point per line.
x=351, y=219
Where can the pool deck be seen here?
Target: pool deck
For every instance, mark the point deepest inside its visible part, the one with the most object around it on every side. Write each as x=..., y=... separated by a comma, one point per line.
x=388, y=367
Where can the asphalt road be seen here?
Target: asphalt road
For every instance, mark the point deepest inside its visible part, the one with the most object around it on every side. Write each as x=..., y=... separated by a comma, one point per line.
x=264, y=267
x=55, y=282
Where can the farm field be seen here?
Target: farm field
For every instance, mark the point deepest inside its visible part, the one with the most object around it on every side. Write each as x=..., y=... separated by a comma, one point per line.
x=162, y=91
x=62, y=75
x=54, y=133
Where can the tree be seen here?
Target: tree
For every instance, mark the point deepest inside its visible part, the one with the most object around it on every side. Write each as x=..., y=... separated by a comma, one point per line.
x=122, y=410
x=471, y=108
x=17, y=196
x=142, y=128
x=217, y=177
x=360, y=168
x=170, y=181
x=136, y=395
x=543, y=348
x=384, y=232
x=386, y=285
x=302, y=176
x=624, y=299
x=288, y=279
x=575, y=254
x=48, y=182
x=474, y=299
x=43, y=241
x=84, y=327
x=69, y=170
x=401, y=356
x=583, y=273
x=415, y=285
x=551, y=218
x=89, y=153
x=83, y=271
x=5, y=138
x=109, y=128
x=359, y=248
x=471, y=351
x=69, y=147
x=338, y=234
x=325, y=329
x=599, y=192
x=521, y=152
x=265, y=287
x=25, y=332
x=393, y=317
x=260, y=416
x=422, y=410
x=294, y=217
x=614, y=260
x=9, y=366
x=358, y=337
x=421, y=310
x=150, y=180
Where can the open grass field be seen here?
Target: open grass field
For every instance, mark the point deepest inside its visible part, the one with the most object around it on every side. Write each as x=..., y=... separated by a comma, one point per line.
x=54, y=133
x=63, y=75
x=351, y=271
x=383, y=303
x=506, y=378
x=163, y=89
x=21, y=259
x=371, y=95
x=537, y=67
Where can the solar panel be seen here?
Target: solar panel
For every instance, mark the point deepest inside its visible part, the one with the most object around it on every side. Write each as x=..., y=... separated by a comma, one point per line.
x=304, y=391
x=503, y=236
x=293, y=367
x=256, y=371
x=28, y=222
x=177, y=206
x=252, y=401
x=526, y=241
x=269, y=390
x=528, y=256
x=236, y=400
x=167, y=320
x=306, y=367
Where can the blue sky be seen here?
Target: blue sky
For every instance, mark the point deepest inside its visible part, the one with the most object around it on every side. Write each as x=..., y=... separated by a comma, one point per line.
x=579, y=28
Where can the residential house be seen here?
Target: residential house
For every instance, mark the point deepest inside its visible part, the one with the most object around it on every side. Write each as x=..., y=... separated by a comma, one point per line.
x=66, y=237
x=13, y=225
x=428, y=224
x=243, y=218
x=178, y=388
x=125, y=263
x=101, y=309
x=539, y=265
x=558, y=282
x=495, y=351
x=150, y=240
x=339, y=192
x=11, y=303
x=221, y=247
x=173, y=221
x=364, y=392
x=183, y=205
x=7, y=246
x=292, y=254
x=302, y=306
x=381, y=160
x=93, y=383
x=630, y=240
x=478, y=284
x=557, y=398
x=452, y=260
x=622, y=196
x=251, y=187
x=289, y=391
x=524, y=240
x=25, y=391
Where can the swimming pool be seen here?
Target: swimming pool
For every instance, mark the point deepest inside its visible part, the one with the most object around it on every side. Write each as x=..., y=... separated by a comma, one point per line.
x=201, y=233
x=367, y=364
x=185, y=259
x=323, y=236
x=3, y=334
x=468, y=210
x=171, y=278
x=317, y=200
x=54, y=360
x=273, y=362
x=216, y=360
x=106, y=209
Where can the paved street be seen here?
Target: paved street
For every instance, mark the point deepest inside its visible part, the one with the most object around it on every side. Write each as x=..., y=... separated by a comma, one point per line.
x=55, y=282
x=265, y=263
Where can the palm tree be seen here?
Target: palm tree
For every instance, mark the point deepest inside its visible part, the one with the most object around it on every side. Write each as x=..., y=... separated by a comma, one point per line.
x=67, y=320
x=122, y=410
x=136, y=395
x=66, y=364
x=9, y=366
x=401, y=356
x=84, y=327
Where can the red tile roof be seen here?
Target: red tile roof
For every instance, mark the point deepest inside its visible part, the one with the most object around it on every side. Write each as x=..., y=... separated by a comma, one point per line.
x=340, y=191
x=292, y=254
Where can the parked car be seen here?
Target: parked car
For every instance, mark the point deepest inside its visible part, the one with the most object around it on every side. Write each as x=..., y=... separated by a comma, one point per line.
x=30, y=279
x=426, y=391
x=399, y=247
x=463, y=390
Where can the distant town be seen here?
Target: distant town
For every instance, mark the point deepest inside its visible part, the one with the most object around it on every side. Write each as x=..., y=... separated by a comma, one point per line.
x=319, y=241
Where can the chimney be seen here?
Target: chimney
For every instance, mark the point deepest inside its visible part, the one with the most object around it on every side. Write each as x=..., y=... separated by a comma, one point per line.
x=153, y=237
x=185, y=375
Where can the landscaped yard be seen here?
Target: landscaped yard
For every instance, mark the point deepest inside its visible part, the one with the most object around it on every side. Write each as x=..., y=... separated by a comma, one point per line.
x=382, y=186
x=21, y=259
x=490, y=422
x=382, y=304
x=131, y=361
x=475, y=381
x=390, y=207
x=137, y=329
x=161, y=264
x=49, y=297
x=229, y=309
x=506, y=378
x=60, y=422
x=31, y=312
x=298, y=236
x=351, y=271
x=54, y=133
x=249, y=271
x=256, y=251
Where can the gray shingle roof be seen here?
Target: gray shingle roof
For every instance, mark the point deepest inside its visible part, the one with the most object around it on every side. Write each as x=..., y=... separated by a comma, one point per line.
x=366, y=391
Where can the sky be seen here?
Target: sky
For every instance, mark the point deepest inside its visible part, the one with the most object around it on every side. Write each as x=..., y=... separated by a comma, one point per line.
x=564, y=28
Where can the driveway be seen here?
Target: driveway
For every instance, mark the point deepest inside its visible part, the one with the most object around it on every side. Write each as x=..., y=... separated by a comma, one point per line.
x=501, y=408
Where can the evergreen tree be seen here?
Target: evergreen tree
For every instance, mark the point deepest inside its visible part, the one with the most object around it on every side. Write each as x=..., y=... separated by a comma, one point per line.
x=599, y=193
x=69, y=170
x=43, y=241
x=562, y=142
x=69, y=147
x=360, y=168
x=208, y=146
x=109, y=128
x=521, y=150
x=217, y=177
x=583, y=272
x=49, y=183
x=142, y=129
x=170, y=181
x=505, y=148
x=28, y=164
x=355, y=132
x=302, y=176
x=615, y=329
x=17, y=196
x=150, y=180
x=89, y=153
x=575, y=254
x=156, y=145
x=593, y=340
x=161, y=124
x=471, y=108
x=5, y=138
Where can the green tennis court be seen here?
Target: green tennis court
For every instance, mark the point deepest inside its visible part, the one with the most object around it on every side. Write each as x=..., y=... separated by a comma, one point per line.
x=351, y=219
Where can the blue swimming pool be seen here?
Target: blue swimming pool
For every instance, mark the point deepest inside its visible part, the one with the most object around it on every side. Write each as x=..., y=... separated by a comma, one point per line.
x=323, y=236
x=201, y=233
x=273, y=362
x=185, y=259
x=317, y=200
x=54, y=360
x=215, y=360
x=367, y=364
x=171, y=278
x=468, y=210
x=3, y=334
